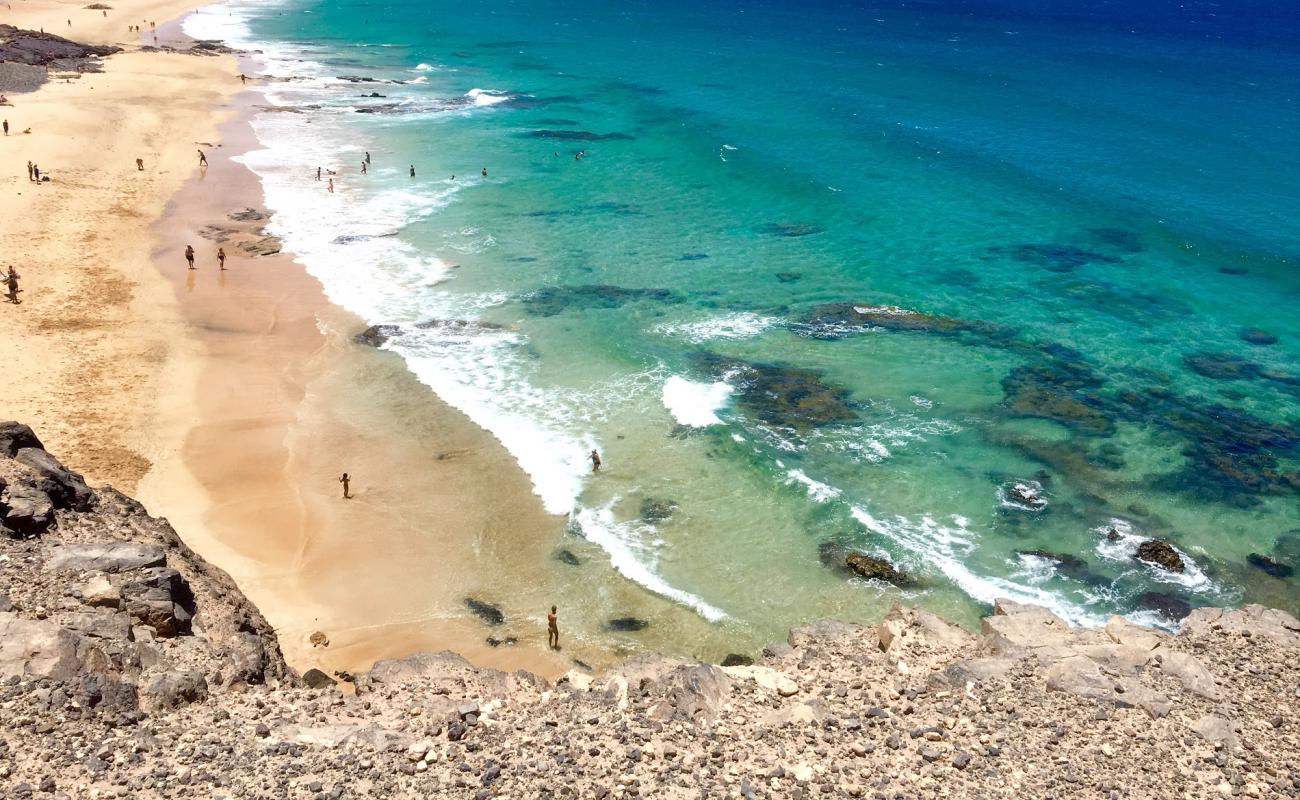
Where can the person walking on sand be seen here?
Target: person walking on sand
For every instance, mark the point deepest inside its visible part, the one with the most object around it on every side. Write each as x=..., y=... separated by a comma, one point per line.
x=347, y=482
x=203, y=160
x=189, y=255
x=243, y=78
x=363, y=168
x=221, y=257
x=29, y=170
x=367, y=156
x=318, y=173
x=330, y=187
x=139, y=164
x=552, y=630
x=6, y=127
x=36, y=173
x=595, y=461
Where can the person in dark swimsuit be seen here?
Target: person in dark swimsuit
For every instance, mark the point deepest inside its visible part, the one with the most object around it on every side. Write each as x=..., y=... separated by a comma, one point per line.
x=189, y=255
x=221, y=257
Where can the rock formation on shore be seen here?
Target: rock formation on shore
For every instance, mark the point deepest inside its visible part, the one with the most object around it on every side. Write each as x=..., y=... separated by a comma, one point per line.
x=129, y=667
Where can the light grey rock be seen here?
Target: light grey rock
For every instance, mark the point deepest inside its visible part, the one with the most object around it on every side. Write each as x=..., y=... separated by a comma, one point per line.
x=105, y=557
x=39, y=648
x=173, y=689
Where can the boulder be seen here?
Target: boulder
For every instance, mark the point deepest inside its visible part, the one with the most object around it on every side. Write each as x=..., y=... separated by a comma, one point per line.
x=737, y=660
x=160, y=597
x=766, y=677
x=28, y=511
x=66, y=488
x=38, y=648
x=1016, y=626
x=1170, y=606
x=873, y=568
x=99, y=592
x=1189, y=670
x=1160, y=553
x=317, y=679
x=693, y=694
x=376, y=335
x=173, y=689
x=105, y=557
x=1215, y=729
x=15, y=436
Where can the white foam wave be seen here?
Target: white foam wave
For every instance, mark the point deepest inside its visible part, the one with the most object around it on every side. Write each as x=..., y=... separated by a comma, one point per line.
x=624, y=543
x=1122, y=548
x=948, y=547
x=487, y=97
x=695, y=404
x=740, y=325
x=817, y=490
x=423, y=67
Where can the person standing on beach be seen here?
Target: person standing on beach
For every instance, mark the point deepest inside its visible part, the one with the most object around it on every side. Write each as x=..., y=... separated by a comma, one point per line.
x=346, y=481
x=412, y=170
x=189, y=255
x=595, y=461
x=6, y=127
x=330, y=187
x=363, y=168
x=11, y=286
x=29, y=170
x=36, y=173
x=139, y=164
x=243, y=78
x=221, y=257
x=367, y=156
x=203, y=160
x=318, y=173
x=552, y=630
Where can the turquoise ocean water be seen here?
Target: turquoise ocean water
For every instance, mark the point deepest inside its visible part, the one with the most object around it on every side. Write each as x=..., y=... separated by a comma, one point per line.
x=818, y=278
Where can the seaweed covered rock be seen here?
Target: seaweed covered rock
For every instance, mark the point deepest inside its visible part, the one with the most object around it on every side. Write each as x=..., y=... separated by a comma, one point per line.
x=1160, y=553
x=781, y=395
x=873, y=568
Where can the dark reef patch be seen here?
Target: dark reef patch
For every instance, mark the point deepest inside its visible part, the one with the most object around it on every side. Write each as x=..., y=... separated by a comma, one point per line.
x=1257, y=337
x=1170, y=606
x=790, y=230
x=656, y=509
x=1222, y=366
x=789, y=277
x=693, y=256
x=576, y=136
x=1268, y=566
x=626, y=624
x=485, y=611
x=1117, y=239
x=1054, y=257
x=1061, y=391
x=607, y=207
x=782, y=395
x=552, y=300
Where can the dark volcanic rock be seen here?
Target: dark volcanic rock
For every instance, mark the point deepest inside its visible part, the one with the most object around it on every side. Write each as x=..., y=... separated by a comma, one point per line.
x=66, y=488
x=316, y=679
x=1160, y=553
x=174, y=689
x=161, y=598
x=1256, y=336
x=1270, y=567
x=48, y=50
x=626, y=624
x=552, y=300
x=376, y=335
x=567, y=556
x=485, y=611
x=106, y=557
x=1170, y=606
x=27, y=511
x=737, y=660
x=873, y=568
x=15, y=436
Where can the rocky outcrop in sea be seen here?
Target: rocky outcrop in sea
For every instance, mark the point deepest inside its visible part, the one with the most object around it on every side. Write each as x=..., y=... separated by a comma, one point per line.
x=129, y=667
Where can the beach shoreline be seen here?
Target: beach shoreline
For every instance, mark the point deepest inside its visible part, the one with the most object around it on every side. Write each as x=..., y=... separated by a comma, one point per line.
x=242, y=393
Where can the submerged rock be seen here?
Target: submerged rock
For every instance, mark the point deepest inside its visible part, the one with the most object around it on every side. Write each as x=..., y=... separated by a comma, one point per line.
x=1026, y=495
x=1222, y=366
x=1170, y=606
x=567, y=557
x=1117, y=239
x=878, y=569
x=485, y=611
x=737, y=660
x=626, y=624
x=577, y=136
x=789, y=277
x=655, y=509
x=1061, y=392
x=1054, y=257
x=1160, y=553
x=552, y=300
x=1257, y=337
x=790, y=230
x=1269, y=567
x=787, y=397
x=1066, y=564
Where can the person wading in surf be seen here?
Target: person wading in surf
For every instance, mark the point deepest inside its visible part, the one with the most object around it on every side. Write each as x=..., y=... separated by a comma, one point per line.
x=552, y=630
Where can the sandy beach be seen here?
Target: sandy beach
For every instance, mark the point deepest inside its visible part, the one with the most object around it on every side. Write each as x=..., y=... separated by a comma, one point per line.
x=228, y=400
